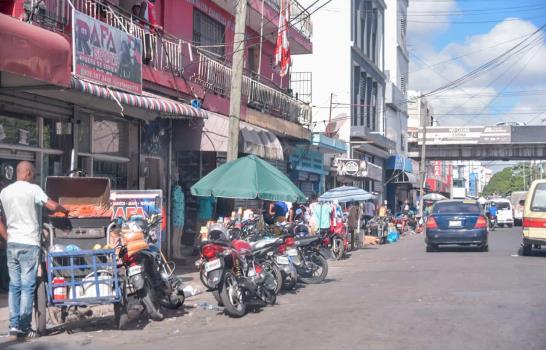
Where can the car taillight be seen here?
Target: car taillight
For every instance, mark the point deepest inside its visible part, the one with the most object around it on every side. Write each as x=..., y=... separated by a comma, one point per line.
x=534, y=222
x=282, y=249
x=481, y=222
x=289, y=241
x=431, y=223
x=209, y=251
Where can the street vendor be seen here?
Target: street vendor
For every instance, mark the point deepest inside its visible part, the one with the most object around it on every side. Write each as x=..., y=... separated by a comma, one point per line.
x=20, y=227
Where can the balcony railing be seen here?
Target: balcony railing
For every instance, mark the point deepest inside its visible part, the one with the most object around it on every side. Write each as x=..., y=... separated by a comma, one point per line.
x=216, y=76
x=160, y=51
x=300, y=19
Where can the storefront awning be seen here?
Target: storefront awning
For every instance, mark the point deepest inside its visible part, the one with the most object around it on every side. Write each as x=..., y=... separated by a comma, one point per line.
x=404, y=177
x=166, y=107
x=212, y=136
x=33, y=52
x=399, y=162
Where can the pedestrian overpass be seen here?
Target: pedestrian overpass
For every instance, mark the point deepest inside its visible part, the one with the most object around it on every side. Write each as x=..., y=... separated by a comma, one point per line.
x=493, y=143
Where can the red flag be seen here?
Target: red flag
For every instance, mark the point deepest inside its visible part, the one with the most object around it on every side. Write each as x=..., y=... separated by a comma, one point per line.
x=282, y=49
x=148, y=12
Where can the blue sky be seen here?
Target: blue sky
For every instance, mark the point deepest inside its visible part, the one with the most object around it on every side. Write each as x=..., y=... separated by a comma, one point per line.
x=476, y=10
x=448, y=39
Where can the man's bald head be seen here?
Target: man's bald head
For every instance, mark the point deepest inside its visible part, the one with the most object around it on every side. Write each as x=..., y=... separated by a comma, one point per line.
x=25, y=171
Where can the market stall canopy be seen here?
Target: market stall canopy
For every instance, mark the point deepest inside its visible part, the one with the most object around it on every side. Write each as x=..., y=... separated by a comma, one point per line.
x=248, y=178
x=346, y=194
x=433, y=197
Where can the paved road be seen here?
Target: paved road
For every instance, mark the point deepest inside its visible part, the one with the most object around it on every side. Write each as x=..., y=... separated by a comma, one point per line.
x=392, y=297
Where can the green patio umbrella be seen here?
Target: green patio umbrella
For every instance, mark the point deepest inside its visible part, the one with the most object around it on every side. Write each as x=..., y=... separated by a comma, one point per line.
x=248, y=178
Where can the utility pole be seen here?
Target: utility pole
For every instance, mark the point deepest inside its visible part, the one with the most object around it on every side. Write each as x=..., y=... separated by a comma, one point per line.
x=331, y=101
x=236, y=81
x=422, y=167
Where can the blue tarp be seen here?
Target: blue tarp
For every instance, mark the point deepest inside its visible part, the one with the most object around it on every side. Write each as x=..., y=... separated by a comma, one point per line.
x=399, y=162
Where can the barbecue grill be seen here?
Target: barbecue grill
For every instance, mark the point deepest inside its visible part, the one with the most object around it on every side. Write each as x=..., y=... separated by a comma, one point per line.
x=69, y=191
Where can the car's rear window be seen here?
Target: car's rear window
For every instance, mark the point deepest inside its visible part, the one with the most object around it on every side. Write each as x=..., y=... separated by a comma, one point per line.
x=538, y=203
x=456, y=208
x=502, y=205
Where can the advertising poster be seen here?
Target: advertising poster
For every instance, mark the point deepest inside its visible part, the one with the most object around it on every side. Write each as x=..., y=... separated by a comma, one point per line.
x=105, y=54
x=126, y=203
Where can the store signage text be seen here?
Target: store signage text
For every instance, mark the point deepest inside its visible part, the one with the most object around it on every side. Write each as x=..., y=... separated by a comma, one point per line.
x=106, y=54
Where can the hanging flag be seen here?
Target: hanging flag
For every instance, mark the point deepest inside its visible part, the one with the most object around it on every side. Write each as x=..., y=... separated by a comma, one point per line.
x=282, y=49
x=148, y=12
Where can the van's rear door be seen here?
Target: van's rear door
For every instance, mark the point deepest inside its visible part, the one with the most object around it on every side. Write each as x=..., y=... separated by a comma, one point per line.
x=534, y=220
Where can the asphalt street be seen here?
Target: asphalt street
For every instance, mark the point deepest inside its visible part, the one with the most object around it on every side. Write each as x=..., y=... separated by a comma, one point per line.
x=390, y=297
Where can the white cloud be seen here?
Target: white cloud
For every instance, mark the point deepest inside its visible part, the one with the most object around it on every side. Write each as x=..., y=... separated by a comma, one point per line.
x=525, y=71
x=422, y=26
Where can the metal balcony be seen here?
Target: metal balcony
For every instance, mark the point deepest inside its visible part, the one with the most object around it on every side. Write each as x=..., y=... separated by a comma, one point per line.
x=216, y=76
x=299, y=16
x=160, y=51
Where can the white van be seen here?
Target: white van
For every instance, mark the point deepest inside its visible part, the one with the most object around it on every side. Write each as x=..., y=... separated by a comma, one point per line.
x=505, y=212
x=515, y=198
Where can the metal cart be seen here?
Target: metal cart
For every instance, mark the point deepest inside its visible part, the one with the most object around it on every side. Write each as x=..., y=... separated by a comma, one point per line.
x=72, y=272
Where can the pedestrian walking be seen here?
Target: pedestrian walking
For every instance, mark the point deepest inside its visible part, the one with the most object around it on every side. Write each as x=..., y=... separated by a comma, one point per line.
x=369, y=211
x=21, y=229
x=352, y=221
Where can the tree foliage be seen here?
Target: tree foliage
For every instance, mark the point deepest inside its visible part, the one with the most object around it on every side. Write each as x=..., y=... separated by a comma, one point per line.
x=508, y=180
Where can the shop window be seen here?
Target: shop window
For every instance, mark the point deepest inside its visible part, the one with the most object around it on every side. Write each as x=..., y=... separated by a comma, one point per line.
x=18, y=131
x=116, y=172
x=110, y=137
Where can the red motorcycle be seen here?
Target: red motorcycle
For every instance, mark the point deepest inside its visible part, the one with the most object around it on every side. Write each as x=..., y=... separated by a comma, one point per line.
x=231, y=272
x=336, y=240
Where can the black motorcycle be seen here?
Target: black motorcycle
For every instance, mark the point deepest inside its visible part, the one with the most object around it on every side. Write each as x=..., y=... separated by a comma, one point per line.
x=309, y=259
x=147, y=271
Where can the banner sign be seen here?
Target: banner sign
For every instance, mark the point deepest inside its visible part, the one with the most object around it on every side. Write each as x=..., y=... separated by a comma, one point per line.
x=145, y=203
x=105, y=54
x=358, y=168
x=469, y=135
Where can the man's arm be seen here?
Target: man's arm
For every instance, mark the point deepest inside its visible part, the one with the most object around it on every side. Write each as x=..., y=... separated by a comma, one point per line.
x=3, y=230
x=55, y=207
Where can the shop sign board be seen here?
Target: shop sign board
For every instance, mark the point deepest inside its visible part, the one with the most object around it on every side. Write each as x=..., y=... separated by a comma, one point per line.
x=105, y=54
x=468, y=135
x=145, y=203
x=358, y=168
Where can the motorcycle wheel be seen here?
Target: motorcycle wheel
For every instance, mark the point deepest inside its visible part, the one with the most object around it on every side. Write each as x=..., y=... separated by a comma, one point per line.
x=289, y=283
x=232, y=296
x=121, y=313
x=148, y=298
x=173, y=301
x=277, y=275
x=203, y=278
x=217, y=296
x=315, y=277
x=40, y=306
x=270, y=296
x=338, y=249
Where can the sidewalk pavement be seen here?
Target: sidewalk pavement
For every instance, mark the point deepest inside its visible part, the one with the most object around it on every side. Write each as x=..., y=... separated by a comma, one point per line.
x=184, y=269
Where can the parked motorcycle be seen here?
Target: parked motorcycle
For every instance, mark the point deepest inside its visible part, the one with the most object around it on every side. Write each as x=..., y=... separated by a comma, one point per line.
x=309, y=259
x=147, y=270
x=231, y=271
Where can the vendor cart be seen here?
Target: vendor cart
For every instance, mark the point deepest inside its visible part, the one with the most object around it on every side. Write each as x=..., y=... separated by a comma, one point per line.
x=78, y=268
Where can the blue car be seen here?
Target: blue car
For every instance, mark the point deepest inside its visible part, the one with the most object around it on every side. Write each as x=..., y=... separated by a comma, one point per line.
x=456, y=222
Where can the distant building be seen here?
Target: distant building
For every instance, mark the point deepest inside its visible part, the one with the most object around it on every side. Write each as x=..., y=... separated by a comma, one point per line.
x=349, y=81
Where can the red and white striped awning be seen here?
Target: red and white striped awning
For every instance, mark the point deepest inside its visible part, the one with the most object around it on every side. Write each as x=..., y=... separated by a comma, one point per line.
x=165, y=106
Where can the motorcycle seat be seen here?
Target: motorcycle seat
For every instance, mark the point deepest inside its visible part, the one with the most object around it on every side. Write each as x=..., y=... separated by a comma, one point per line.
x=263, y=243
x=307, y=240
